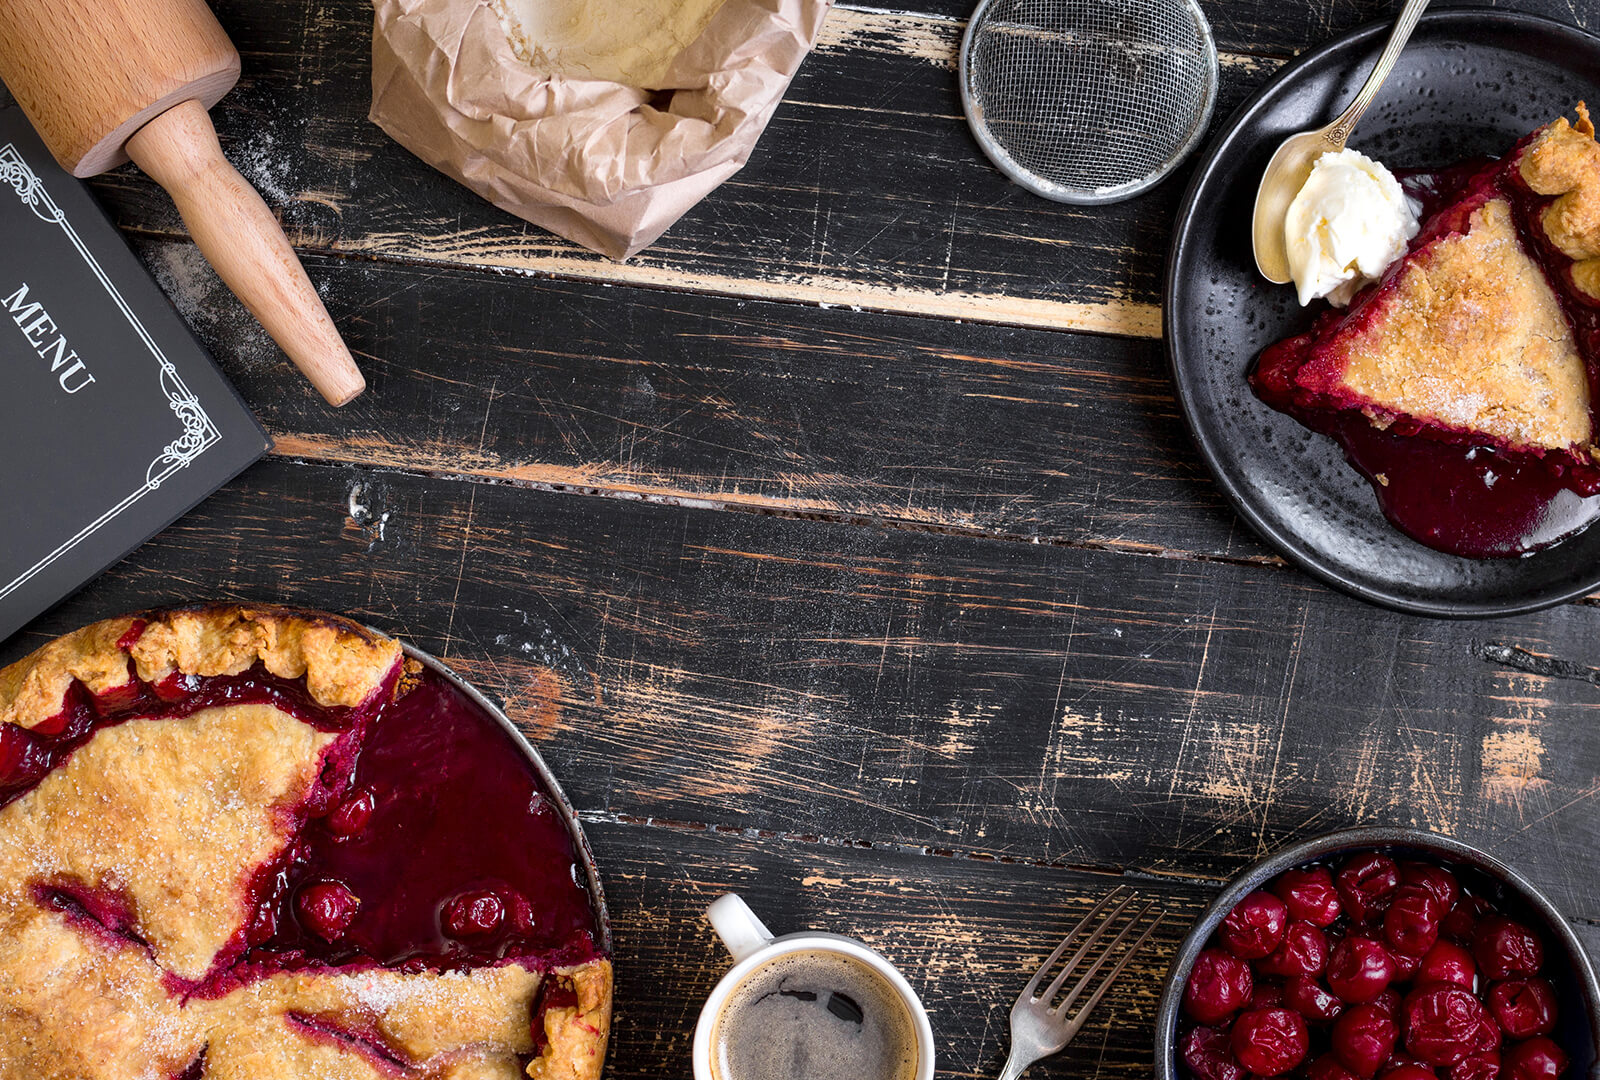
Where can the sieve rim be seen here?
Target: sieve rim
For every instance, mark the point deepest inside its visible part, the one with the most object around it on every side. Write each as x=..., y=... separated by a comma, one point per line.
x=1065, y=193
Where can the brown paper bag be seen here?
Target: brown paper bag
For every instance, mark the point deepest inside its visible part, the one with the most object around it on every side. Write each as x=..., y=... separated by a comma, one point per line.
x=606, y=165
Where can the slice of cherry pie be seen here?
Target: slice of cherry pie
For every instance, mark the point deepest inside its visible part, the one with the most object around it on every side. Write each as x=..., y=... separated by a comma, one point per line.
x=254, y=843
x=1462, y=383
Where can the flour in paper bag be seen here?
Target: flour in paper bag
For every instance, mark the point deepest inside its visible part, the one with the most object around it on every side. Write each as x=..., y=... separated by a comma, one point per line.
x=632, y=42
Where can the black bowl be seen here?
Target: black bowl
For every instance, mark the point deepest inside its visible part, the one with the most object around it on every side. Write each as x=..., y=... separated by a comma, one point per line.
x=1567, y=966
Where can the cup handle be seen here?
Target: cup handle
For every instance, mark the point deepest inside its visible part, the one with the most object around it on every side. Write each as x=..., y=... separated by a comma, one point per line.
x=737, y=926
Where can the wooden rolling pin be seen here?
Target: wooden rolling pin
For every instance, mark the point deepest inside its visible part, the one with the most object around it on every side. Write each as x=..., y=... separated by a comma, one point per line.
x=108, y=80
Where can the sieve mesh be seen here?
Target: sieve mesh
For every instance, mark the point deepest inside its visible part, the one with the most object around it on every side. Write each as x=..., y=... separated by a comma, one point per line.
x=1088, y=100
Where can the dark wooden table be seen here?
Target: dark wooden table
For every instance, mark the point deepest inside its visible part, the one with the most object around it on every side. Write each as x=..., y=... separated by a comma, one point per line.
x=846, y=548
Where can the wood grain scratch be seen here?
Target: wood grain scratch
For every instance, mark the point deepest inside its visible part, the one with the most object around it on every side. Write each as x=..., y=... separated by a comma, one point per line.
x=1123, y=316
x=1520, y=659
x=1512, y=755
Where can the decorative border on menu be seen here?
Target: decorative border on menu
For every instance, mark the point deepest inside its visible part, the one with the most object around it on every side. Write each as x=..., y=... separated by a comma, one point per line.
x=199, y=433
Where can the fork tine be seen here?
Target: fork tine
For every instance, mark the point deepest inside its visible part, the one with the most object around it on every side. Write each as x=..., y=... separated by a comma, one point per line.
x=1100, y=962
x=1033, y=983
x=1083, y=950
x=1111, y=976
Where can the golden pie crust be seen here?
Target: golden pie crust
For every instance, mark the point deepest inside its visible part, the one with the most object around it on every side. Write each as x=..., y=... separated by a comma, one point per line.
x=1472, y=337
x=1473, y=333
x=173, y=816
x=1564, y=160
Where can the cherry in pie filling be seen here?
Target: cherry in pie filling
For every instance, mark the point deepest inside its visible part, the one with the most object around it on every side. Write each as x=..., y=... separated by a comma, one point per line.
x=253, y=843
x=1462, y=384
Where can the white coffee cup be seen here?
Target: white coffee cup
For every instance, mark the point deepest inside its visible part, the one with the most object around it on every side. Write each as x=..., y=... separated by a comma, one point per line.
x=753, y=946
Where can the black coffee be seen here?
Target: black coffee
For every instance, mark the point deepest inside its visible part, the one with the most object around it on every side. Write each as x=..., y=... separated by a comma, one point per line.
x=814, y=1015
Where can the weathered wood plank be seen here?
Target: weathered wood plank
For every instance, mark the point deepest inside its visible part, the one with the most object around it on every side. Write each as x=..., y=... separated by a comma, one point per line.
x=967, y=935
x=1034, y=702
x=1281, y=27
x=1066, y=438
x=1285, y=28
x=920, y=224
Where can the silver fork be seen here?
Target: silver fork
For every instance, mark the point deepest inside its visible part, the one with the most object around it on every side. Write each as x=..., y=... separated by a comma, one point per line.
x=1039, y=1029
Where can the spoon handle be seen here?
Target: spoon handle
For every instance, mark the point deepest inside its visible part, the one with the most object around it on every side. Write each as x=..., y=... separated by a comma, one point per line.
x=1339, y=131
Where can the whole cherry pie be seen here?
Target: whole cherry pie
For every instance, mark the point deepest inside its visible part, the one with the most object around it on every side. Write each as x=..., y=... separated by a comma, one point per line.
x=255, y=843
x=1462, y=383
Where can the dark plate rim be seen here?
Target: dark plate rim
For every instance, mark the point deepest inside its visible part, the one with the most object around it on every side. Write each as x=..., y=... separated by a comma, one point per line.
x=1219, y=151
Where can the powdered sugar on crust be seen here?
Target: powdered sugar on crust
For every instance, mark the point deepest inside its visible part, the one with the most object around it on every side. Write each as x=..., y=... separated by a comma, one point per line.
x=173, y=816
x=413, y=1016
x=1471, y=336
x=74, y=1005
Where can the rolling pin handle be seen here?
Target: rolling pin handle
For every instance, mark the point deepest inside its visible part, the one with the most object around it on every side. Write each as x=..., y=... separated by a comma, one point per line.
x=238, y=233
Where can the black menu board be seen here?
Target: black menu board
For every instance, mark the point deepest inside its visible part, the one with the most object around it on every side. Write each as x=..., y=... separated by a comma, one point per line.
x=113, y=420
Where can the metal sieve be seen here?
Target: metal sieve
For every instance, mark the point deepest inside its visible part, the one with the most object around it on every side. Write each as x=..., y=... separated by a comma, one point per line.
x=1088, y=101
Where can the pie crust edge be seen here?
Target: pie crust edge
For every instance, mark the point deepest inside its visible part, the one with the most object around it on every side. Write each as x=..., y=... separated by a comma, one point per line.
x=342, y=662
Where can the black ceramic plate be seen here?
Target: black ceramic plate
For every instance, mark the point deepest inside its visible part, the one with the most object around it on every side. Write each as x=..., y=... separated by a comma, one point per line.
x=1471, y=82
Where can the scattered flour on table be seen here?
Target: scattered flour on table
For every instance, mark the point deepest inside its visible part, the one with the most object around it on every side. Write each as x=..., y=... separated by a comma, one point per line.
x=209, y=307
x=261, y=160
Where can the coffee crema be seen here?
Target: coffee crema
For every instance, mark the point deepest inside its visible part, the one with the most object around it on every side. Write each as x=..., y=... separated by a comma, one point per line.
x=814, y=1015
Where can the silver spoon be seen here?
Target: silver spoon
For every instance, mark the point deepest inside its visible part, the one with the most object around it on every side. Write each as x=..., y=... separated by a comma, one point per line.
x=1287, y=171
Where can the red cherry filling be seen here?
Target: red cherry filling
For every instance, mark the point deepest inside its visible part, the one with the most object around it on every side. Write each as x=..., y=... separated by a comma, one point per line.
x=1209, y=1055
x=326, y=908
x=1219, y=986
x=1480, y=1065
x=1523, y=1007
x=1462, y=922
x=1304, y=951
x=1537, y=1059
x=1388, y=1001
x=1363, y=1038
x=461, y=859
x=1436, y=879
x=352, y=815
x=1405, y=967
x=1327, y=1067
x=1255, y=927
x=1448, y=962
x=22, y=759
x=1411, y=925
x=1268, y=995
x=1389, y=984
x=1408, y=1071
x=1270, y=1042
x=1366, y=885
x=1504, y=947
x=1311, y=1000
x=1359, y=969
x=474, y=914
x=103, y=912
x=176, y=687
x=1446, y=1023
x=1309, y=895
